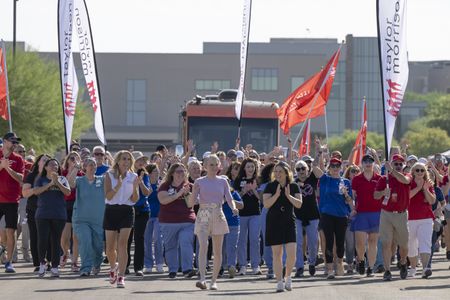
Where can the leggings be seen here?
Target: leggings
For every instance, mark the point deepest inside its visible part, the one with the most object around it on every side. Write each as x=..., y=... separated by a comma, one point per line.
x=137, y=233
x=49, y=228
x=34, y=238
x=333, y=227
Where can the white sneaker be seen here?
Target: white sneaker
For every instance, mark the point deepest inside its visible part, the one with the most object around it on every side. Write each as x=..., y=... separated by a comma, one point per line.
x=412, y=272
x=54, y=272
x=242, y=270
x=160, y=268
x=288, y=284
x=213, y=286
x=280, y=286
x=256, y=271
x=147, y=270
x=42, y=268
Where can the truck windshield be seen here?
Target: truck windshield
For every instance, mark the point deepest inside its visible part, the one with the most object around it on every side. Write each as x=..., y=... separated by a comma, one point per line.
x=261, y=133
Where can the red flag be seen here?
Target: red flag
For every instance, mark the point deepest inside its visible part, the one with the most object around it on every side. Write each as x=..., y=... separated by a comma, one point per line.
x=3, y=87
x=308, y=101
x=305, y=143
x=360, y=143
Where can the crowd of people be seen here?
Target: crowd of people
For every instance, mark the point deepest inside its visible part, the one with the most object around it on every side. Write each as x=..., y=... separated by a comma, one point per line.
x=240, y=208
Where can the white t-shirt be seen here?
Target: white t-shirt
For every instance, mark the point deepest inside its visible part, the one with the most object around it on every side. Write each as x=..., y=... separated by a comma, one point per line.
x=123, y=195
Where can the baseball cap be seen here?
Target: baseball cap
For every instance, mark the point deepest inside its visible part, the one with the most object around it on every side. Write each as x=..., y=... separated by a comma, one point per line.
x=412, y=157
x=240, y=154
x=307, y=158
x=335, y=160
x=368, y=157
x=12, y=137
x=398, y=157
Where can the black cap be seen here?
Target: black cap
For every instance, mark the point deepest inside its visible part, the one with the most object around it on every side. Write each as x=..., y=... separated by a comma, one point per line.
x=368, y=157
x=11, y=136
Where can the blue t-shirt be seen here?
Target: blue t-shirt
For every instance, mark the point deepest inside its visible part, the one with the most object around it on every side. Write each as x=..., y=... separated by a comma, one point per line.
x=153, y=201
x=89, y=204
x=439, y=197
x=51, y=203
x=142, y=205
x=331, y=202
x=101, y=170
x=231, y=220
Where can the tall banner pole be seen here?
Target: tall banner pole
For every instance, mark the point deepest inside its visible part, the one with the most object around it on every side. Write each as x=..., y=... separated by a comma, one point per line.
x=246, y=19
x=8, y=102
x=69, y=80
x=326, y=124
x=89, y=66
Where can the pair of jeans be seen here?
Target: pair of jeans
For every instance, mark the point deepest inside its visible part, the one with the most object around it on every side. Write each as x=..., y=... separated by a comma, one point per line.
x=137, y=233
x=153, y=238
x=379, y=262
x=178, y=235
x=349, y=245
x=312, y=237
x=229, y=247
x=332, y=227
x=250, y=228
x=90, y=244
x=267, y=253
x=49, y=228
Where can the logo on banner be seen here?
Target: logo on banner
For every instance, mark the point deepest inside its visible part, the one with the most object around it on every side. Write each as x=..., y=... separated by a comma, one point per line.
x=395, y=97
x=69, y=104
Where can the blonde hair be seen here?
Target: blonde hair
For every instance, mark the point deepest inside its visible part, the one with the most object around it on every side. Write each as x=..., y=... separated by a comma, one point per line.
x=117, y=158
x=426, y=177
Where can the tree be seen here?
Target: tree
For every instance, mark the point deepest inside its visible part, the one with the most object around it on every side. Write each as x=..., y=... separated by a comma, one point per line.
x=427, y=141
x=346, y=141
x=36, y=109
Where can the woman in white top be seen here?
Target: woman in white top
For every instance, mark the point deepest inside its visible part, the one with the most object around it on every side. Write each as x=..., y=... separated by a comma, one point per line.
x=121, y=192
x=211, y=190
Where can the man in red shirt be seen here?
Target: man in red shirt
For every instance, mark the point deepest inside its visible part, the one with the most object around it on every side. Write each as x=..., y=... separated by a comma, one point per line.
x=11, y=177
x=394, y=216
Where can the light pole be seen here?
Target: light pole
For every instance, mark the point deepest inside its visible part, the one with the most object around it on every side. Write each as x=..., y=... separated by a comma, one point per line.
x=14, y=28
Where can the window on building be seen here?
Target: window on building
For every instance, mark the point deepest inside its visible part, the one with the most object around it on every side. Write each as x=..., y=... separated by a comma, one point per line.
x=296, y=81
x=136, y=102
x=264, y=79
x=212, y=85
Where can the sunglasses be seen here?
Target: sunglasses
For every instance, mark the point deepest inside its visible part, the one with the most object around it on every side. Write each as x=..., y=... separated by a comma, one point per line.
x=398, y=164
x=76, y=149
x=368, y=161
x=99, y=154
x=14, y=142
x=254, y=157
x=420, y=171
x=335, y=166
x=21, y=151
x=354, y=171
x=300, y=169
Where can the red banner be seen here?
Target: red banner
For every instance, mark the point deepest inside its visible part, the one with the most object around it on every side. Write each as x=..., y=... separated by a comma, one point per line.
x=3, y=86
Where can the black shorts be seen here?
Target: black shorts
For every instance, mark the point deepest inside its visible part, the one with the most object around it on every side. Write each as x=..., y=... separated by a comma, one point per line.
x=69, y=209
x=117, y=217
x=11, y=213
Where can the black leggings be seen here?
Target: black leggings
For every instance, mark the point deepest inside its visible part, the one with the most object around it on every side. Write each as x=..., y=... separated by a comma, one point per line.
x=137, y=232
x=333, y=227
x=34, y=238
x=50, y=228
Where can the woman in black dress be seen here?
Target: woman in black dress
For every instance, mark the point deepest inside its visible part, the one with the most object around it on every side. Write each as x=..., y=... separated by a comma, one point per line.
x=280, y=197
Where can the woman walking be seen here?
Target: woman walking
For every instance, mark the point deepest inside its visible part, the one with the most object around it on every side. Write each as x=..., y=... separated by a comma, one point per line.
x=51, y=213
x=210, y=191
x=87, y=218
x=280, y=197
x=121, y=193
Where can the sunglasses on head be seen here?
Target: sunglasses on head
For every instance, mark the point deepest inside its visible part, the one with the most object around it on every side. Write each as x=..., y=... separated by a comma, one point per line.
x=420, y=171
x=300, y=169
x=335, y=166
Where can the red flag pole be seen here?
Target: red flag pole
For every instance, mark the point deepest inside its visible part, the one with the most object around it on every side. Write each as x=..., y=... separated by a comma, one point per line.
x=7, y=88
x=317, y=95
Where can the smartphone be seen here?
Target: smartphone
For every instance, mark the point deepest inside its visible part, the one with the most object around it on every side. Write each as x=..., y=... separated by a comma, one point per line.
x=285, y=151
x=179, y=150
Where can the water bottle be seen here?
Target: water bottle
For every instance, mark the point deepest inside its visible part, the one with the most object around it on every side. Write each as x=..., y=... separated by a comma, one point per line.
x=386, y=198
x=341, y=187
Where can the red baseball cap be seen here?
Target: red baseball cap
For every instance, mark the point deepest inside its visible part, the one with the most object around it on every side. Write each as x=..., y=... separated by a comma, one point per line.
x=398, y=157
x=335, y=160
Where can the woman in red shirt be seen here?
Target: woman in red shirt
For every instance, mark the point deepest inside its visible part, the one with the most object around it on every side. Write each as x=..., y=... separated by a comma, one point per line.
x=420, y=219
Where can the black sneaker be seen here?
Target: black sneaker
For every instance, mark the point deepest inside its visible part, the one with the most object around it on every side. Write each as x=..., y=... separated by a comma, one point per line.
x=403, y=271
x=36, y=269
x=127, y=271
x=189, y=273
x=221, y=273
x=387, y=276
x=362, y=267
x=312, y=270
x=172, y=275
x=369, y=272
x=299, y=273
x=448, y=254
x=105, y=260
x=427, y=273
x=380, y=269
x=319, y=261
